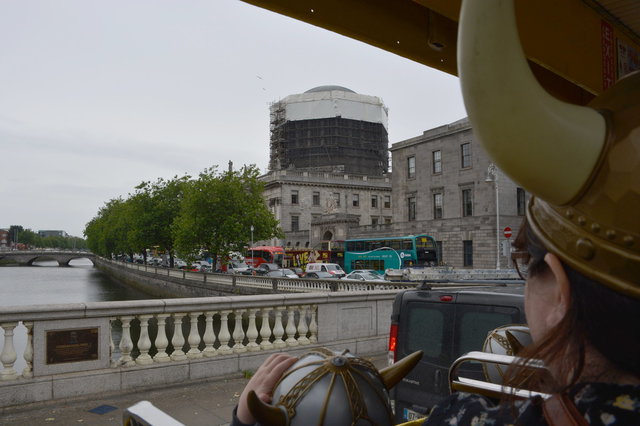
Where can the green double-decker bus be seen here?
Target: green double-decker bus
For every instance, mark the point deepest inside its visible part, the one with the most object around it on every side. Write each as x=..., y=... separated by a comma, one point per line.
x=385, y=253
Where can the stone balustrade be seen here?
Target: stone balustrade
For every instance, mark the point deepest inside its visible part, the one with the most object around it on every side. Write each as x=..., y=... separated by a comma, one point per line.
x=150, y=343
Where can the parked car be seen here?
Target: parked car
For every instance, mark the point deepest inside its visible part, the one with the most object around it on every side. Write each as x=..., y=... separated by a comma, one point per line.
x=263, y=268
x=323, y=275
x=445, y=324
x=282, y=273
x=332, y=268
x=364, y=276
x=237, y=267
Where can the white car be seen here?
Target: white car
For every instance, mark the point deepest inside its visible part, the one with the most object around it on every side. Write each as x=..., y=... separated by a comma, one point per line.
x=368, y=276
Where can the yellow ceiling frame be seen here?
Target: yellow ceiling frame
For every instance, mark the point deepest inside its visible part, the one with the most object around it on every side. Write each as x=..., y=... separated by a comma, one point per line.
x=563, y=39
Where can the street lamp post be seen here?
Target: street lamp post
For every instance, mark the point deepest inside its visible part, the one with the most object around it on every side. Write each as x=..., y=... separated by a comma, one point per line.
x=492, y=176
x=252, y=259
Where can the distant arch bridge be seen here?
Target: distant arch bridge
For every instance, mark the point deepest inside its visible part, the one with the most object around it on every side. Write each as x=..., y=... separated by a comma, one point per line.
x=63, y=257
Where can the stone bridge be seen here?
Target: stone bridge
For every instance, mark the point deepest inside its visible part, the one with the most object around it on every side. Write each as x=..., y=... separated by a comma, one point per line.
x=63, y=257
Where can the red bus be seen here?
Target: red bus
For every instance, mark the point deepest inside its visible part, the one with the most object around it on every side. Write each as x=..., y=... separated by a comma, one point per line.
x=264, y=254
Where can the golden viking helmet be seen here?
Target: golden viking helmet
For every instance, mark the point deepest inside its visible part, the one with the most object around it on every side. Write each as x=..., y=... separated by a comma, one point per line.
x=581, y=163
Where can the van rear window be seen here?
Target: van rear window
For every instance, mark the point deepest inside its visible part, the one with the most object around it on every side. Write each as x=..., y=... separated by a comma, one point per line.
x=427, y=330
x=476, y=322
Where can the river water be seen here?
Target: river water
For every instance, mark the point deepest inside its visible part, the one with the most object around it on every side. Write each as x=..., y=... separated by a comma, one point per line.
x=47, y=283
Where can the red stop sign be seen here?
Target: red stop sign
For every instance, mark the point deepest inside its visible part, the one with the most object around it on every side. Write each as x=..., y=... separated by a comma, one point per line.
x=507, y=232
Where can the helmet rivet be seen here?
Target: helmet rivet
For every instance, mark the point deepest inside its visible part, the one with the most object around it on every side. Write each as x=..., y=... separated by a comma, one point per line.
x=339, y=361
x=611, y=234
x=595, y=228
x=569, y=214
x=582, y=220
x=585, y=249
x=628, y=240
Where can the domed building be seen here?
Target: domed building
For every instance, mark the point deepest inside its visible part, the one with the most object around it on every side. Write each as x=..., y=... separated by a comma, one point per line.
x=330, y=128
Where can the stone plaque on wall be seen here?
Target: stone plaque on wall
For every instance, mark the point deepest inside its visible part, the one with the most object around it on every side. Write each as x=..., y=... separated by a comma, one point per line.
x=72, y=345
x=65, y=346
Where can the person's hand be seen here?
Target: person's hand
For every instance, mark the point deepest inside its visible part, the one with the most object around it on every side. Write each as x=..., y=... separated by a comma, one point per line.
x=263, y=383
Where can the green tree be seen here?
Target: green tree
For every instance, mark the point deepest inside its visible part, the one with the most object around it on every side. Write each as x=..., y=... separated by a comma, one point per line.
x=107, y=233
x=218, y=211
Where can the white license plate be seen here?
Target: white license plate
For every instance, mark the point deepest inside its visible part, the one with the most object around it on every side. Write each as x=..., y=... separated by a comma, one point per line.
x=410, y=415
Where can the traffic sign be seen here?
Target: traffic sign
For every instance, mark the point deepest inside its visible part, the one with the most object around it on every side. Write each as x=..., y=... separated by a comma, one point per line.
x=507, y=232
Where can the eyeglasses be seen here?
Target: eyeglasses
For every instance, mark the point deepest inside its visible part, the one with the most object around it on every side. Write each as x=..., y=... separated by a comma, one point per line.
x=521, y=259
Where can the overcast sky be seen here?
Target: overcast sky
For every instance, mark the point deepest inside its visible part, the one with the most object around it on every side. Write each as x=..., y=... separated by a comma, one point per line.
x=97, y=96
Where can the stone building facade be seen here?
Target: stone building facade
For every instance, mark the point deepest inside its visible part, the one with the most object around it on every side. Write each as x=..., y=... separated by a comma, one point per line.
x=315, y=208
x=444, y=185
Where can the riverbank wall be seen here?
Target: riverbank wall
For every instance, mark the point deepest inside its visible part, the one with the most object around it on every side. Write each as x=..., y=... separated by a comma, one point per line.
x=161, y=282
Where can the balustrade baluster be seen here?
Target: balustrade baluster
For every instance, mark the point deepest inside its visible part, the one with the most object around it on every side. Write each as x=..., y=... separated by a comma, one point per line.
x=302, y=326
x=224, y=336
x=8, y=356
x=265, y=330
x=112, y=347
x=161, y=340
x=238, y=332
x=291, y=327
x=194, y=336
x=27, y=372
x=178, y=339
x=313, y=326
x=126, y=345
x=278, y=330
x=252, y=331
x=209, y=336
x=144, y=343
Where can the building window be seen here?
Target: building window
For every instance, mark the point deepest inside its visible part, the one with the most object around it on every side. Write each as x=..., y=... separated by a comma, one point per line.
x=336, y=197
x=356, y=200
x=316, y=198
x=387, y=220
x=520, y=199
x=374, y=201
x=387, y=201
x=295, y=223
x=437, y=161
x=467, y=202
x=437, y=205
x=439, y=251
x=294, y=197
x=467, y=250
x=412, y=208
x=374, y=220
x=465, y=155
x=411, y=167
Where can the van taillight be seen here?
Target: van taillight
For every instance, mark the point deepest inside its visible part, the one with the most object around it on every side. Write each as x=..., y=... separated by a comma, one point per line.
x=446, y=298
x=393, y=342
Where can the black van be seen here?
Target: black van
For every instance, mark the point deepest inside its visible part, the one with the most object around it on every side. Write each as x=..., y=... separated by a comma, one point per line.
x=445, y=323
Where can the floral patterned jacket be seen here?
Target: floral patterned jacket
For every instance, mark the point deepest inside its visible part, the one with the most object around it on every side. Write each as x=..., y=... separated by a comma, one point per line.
x=600, y=403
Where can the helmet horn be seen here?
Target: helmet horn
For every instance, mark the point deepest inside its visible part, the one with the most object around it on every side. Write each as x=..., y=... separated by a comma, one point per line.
x=265, y=414
x=531, y=135
x=394, y=373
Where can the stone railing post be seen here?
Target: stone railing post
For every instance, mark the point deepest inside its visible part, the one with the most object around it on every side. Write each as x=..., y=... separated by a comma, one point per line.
x=274, y=285
x=291, y=327
x=238, y=332
x=126, y=345
x=8, y=356
x=194, y=337
x=313, y=325
x=161, y=339
x=265, y=330
x=278, y=330
x=27, y=372
x=302, y=326
x=209, y=336
x=178, y=339
x=224, y=336
x=112, y=346
x=144, y=343
x=252, y=331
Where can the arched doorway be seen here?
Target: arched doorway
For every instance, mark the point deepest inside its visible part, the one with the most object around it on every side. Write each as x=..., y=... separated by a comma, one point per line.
x=326, y=238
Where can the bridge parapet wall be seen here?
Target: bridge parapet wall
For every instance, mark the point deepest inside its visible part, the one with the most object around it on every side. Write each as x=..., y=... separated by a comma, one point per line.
x=154, y=343
x=63, y=257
